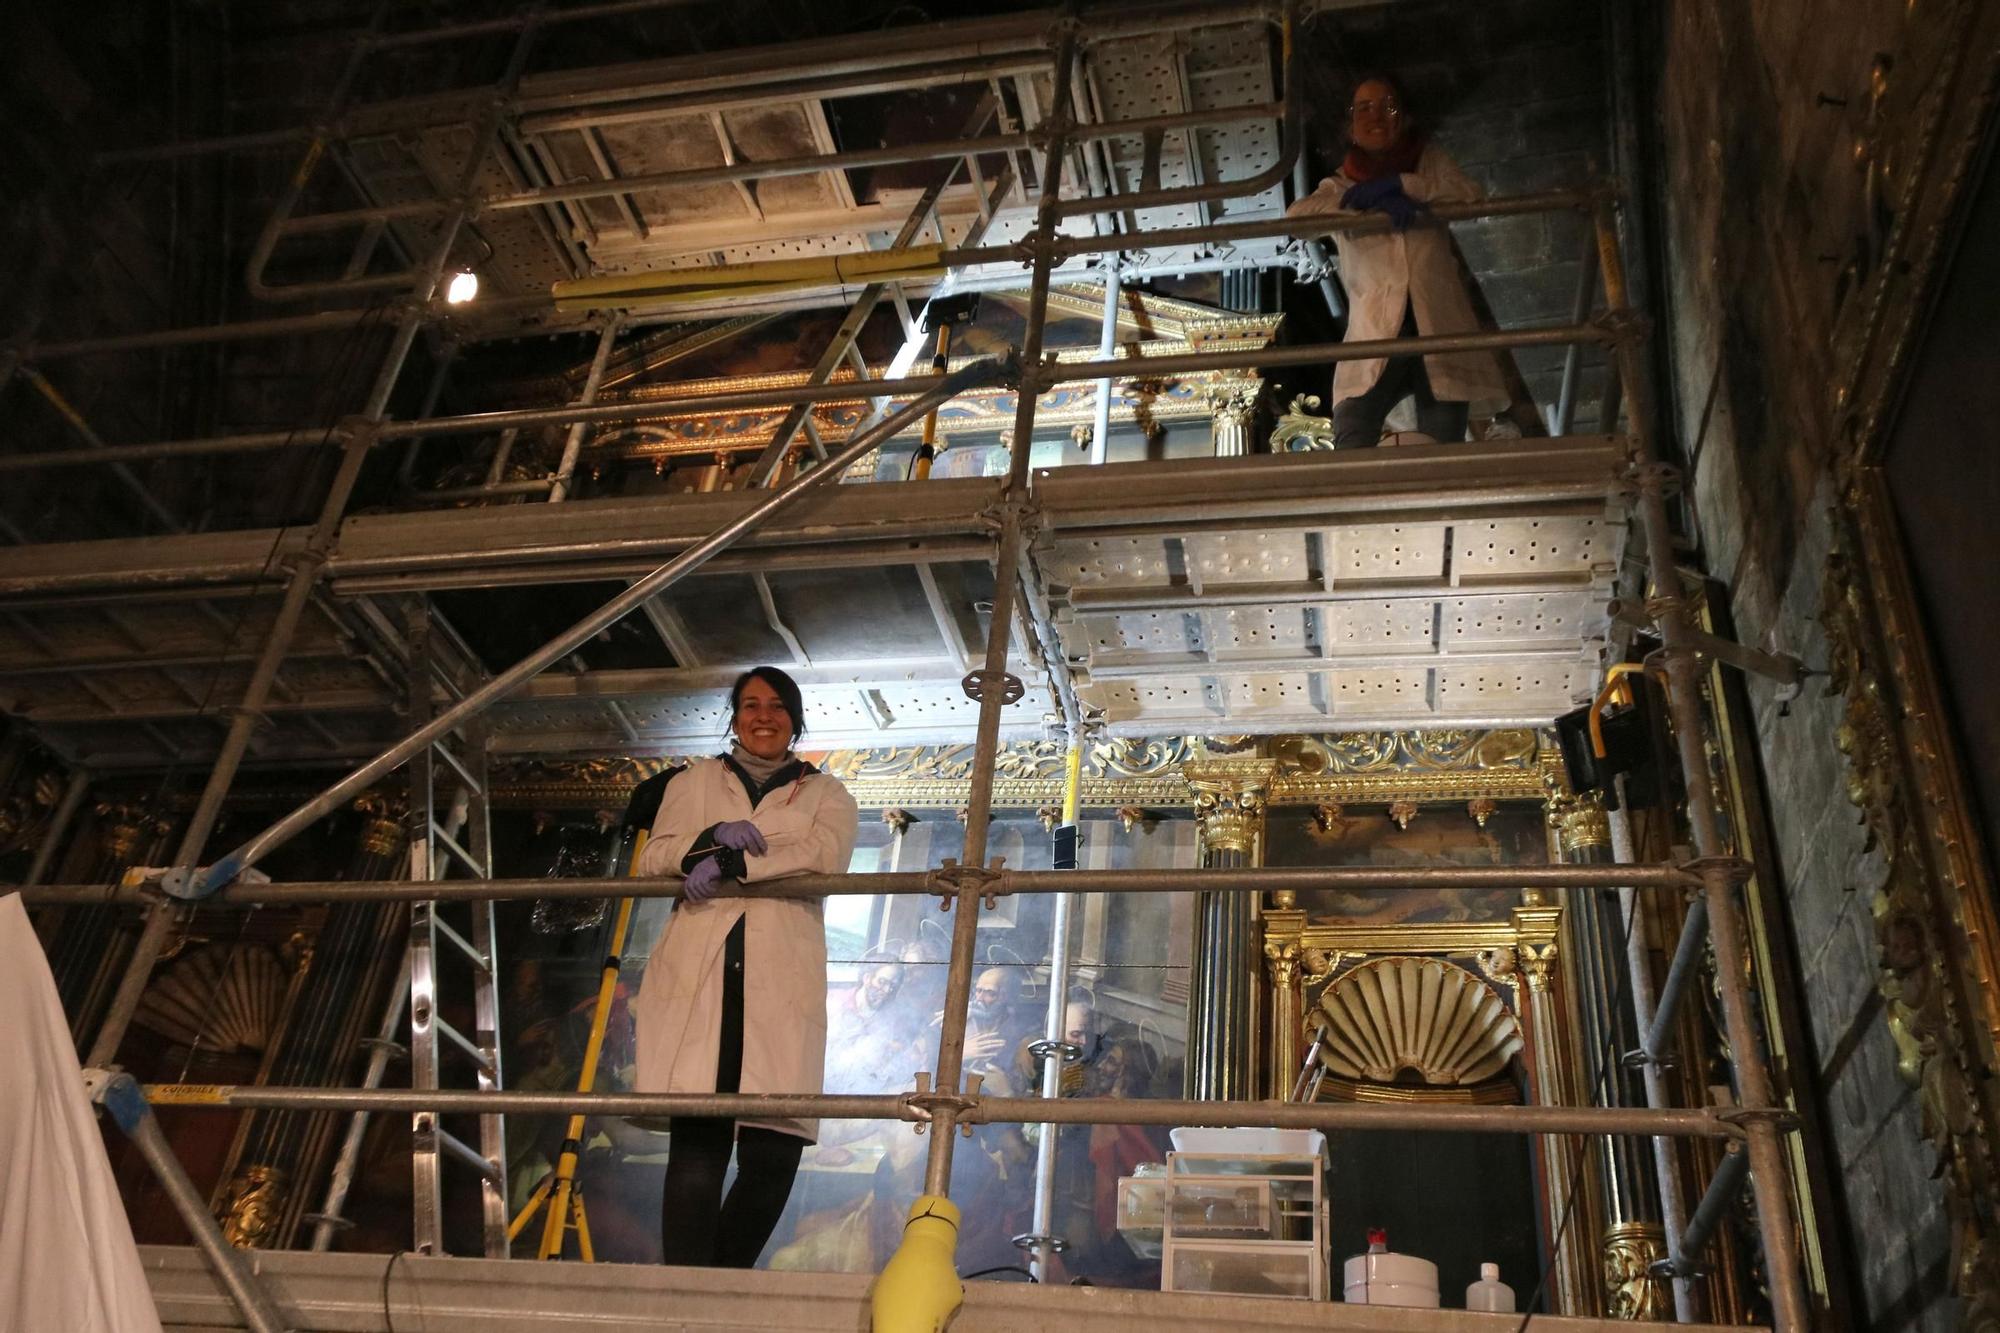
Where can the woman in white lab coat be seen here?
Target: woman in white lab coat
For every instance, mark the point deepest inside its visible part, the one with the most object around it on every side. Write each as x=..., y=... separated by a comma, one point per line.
x=1402, y=281
x=734, y=998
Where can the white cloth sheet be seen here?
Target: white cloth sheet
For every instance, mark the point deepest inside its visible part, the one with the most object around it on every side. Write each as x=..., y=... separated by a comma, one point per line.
x=67, y=1260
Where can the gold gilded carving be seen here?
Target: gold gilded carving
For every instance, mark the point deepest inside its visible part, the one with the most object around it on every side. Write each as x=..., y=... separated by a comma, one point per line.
x=1537, y=962
x=255, y=1202
x=382, y=835
x=25, y=815
x=1132, y=818
x=1403, y=812
x=1366, y=768
x=1630, y=1289
x=1932, y=907
x=125, y=827
x=899, y=821
x=1300, y=429
x=1580, y=822
x=1229, y=800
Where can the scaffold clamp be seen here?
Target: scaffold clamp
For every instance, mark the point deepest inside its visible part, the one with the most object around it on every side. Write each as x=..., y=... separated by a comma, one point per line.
x=1743, y=1117
x=977, y=684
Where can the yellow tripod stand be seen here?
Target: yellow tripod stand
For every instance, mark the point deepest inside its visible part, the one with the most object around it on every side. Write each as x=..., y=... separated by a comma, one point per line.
x=559, y=1191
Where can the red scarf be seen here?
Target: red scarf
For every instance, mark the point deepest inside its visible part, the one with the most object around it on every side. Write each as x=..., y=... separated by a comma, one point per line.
x=1360, y=165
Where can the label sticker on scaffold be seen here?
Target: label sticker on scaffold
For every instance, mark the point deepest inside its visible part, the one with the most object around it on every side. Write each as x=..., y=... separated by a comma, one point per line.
x=186, y=1094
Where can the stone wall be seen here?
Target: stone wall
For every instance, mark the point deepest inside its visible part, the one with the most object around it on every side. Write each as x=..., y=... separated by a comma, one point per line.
x=1758, y=193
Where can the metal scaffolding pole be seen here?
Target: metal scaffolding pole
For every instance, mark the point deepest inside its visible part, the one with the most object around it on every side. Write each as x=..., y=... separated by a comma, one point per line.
x=1639, y=964
x=58, y=826
x=993, y=686
x=479, y=423
x=1720, y=871
x=573, y=442
x=120, y=1095
x=186, y=882
x=1349, y=879
x=360, y=438
x=1055, y=1049
x=1067, y=247
x=930, y=1108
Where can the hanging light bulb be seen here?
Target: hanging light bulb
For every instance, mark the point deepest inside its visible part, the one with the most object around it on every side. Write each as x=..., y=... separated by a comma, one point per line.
x=464, y=286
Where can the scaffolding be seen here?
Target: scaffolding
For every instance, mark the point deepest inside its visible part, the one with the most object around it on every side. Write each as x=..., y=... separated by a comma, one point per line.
x=1093, y=218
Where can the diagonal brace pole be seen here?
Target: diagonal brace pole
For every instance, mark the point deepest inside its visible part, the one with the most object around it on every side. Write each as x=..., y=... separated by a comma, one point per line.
x=201, y=883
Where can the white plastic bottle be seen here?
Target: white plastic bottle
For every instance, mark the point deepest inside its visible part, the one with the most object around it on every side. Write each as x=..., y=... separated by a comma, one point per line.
x=1490, y=1293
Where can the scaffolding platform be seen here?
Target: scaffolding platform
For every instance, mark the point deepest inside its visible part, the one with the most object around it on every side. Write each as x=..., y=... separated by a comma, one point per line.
x=1398, y=587
x=344, y=1293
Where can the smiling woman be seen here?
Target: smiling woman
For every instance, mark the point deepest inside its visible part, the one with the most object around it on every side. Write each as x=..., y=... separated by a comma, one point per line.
x=727, y=823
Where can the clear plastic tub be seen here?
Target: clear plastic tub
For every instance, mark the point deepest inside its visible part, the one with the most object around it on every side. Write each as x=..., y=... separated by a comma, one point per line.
x=1246, y=1270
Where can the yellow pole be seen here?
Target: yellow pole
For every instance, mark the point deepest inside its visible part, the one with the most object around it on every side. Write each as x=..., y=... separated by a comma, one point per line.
x=920, y=470
x=1072, y=783
x=563, y=1202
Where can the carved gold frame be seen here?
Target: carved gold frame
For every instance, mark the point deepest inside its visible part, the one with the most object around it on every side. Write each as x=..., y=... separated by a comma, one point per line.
x=1932, y=100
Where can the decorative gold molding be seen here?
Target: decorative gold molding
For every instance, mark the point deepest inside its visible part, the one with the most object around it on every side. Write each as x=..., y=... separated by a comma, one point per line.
x=1934, y=909
x=1631, y=1291
x=254, y=1204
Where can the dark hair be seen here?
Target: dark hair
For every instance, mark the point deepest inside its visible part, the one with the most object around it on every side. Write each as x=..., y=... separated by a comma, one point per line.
x=1367, y=76
x=783, y=686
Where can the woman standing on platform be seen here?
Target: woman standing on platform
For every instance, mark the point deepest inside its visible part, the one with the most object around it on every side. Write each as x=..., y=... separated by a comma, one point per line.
x=734, y=998
x=1401, y=281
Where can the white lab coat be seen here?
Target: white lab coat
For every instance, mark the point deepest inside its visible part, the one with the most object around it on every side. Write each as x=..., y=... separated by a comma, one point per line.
x=809, y=827
x=1381, y=270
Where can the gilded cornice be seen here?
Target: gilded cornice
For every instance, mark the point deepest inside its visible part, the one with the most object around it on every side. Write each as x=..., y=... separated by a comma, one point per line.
x=1362, y=768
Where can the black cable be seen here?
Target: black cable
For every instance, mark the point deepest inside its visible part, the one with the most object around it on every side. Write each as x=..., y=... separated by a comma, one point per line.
x=1003, y=1268
x=388, y=1321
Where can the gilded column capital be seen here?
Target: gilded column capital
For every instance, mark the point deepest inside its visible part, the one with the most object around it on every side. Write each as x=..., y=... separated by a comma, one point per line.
x=1631, y=1291
x=1580, y=822
x=124, y=826
x=385, y=811
x=1229, y=796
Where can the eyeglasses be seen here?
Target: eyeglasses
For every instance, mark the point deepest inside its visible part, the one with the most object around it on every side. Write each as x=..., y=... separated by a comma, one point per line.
x=1389, y=108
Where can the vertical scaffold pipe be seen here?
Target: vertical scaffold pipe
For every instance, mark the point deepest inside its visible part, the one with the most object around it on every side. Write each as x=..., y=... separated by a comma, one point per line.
x=1721, y=873
x=919, y=1289
x=1042, y=1240
x=965, y=923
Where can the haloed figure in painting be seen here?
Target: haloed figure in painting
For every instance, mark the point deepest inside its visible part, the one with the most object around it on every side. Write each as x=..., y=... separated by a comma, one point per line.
x=734, y=998
x=1404, y=280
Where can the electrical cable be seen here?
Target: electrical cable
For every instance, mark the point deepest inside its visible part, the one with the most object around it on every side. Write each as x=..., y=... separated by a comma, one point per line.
x=1003, y=1268
x=388, y=1320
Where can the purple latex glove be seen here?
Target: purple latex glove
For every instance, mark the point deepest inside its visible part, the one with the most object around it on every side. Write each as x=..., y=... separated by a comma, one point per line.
x=702, y=881
x=742, y=835
x=1370, y=194
x=1402, y=209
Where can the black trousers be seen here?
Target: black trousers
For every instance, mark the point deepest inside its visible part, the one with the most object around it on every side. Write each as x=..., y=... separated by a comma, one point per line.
x=1357, y=421
x=699, y=1227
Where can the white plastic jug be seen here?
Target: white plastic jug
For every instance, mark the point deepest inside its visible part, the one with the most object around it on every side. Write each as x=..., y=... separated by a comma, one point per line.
x=1490, y=1293
x=1382, y=1278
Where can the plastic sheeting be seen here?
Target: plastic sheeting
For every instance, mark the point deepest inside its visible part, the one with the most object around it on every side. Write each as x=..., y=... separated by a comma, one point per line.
x=67, y=1259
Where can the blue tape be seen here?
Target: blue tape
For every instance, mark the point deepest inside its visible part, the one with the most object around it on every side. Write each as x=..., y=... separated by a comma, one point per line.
x=126, y=1102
